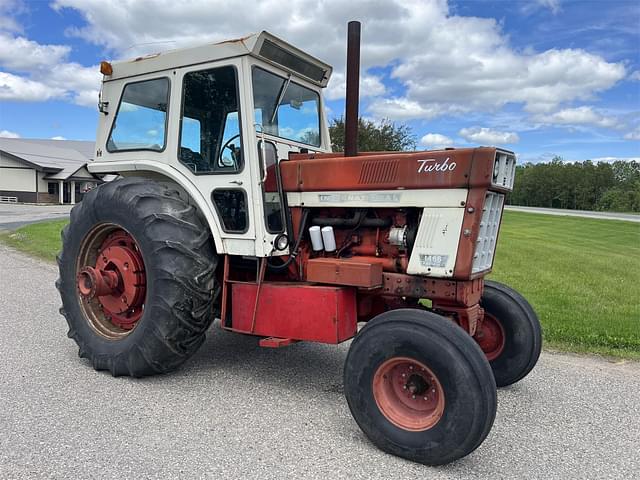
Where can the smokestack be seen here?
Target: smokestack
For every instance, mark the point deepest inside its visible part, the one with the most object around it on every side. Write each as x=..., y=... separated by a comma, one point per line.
x=353, y=90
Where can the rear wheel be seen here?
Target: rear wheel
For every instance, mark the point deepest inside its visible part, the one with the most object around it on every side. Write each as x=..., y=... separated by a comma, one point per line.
x=510, y=334
x=136, y=278
x=419, y=387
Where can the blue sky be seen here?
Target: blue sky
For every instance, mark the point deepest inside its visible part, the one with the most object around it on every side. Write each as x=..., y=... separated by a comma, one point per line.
x=540, y=77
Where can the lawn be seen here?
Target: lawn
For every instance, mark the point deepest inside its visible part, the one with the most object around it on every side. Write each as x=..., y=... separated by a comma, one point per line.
x=38, y=239
x=581, y=275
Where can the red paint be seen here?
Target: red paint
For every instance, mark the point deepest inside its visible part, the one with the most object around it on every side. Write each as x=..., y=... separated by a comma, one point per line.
x=118, y=280
x=408, y=394
x=295, y=311
x=491, y=337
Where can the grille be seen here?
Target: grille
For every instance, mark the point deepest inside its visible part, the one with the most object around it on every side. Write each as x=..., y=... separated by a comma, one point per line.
x=488, y=235
x=504, y=170
x=378, y=171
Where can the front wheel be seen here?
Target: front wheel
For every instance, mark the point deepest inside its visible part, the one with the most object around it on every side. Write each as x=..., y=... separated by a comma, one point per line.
x=419, y=387
x=510, y=333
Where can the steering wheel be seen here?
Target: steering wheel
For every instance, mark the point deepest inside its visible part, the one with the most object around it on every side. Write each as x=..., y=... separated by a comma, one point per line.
x=233, y=149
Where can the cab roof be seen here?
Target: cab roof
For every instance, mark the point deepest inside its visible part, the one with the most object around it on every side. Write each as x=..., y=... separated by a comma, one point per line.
x=262, y=45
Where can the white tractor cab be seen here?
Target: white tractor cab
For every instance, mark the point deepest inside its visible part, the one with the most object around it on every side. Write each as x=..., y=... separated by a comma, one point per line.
x=210, y=120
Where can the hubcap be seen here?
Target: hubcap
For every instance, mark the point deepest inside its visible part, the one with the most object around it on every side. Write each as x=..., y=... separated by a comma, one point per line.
x=408, y=394
x=111, y=280
x=490, y=336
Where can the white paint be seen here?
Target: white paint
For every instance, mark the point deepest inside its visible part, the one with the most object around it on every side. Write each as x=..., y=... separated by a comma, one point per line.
x=436, y=246
x=432, y=165
x=451, y=197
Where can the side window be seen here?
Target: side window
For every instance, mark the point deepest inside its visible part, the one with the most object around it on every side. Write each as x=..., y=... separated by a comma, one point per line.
x=210, y=139
x=140, y=123
x=231, y=205
x=272, y=205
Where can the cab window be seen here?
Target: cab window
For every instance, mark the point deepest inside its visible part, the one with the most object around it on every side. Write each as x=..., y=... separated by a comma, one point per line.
x=210, y=140
x=140, y=123
x=286, y=109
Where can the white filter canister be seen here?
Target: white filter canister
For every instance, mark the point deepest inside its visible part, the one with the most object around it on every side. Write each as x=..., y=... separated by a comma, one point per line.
x=329, y=239
x=316, y=238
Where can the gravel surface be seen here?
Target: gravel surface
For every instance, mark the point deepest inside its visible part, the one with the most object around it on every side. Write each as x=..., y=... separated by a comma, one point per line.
x=238, y=411
x=15, y=215
x=629, y=217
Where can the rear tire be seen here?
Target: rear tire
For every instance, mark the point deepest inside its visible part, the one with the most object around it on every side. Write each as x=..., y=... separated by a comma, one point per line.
x=509, y=316
x=451, y=368
x=179, y=264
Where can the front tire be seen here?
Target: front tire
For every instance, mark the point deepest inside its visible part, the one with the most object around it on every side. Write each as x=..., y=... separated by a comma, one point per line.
x=419, y=387
x=510, y=334
x=157, y=250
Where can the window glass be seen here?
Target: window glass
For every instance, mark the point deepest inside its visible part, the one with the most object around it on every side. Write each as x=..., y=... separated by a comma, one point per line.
x=141, y=118
x=231, y=205
x=210, y=131
x=286, y=109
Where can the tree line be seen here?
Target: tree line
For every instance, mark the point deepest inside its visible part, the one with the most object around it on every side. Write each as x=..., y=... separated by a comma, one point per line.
x=557, y=184
x=579, y=185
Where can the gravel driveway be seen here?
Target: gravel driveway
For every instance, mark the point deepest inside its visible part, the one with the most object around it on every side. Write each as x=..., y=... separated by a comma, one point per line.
x=238, y=411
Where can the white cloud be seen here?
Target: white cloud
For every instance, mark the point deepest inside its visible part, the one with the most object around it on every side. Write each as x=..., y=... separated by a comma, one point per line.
x=446, y=63
x=584, y=115
x=436, y=141
x=58, y=137
x=553, y=5
x=633, y=135
x=8, y=134
x=21, y=54
x=635, y=76
x=487, y=136
x=370, y=86
x=14, y=87
x=616, y=159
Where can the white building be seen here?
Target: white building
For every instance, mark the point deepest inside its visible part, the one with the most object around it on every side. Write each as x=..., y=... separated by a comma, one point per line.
x=45, y=171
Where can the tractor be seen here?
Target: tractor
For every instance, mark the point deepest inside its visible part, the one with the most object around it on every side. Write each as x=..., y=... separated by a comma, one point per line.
x=229, y=204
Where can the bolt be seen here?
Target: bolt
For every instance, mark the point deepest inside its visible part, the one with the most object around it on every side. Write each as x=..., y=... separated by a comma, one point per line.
x=126, y=265
x=425, y=398
x=410, y=367
x=471, y=209
x=404, y=375
x=413, y=396
x=433, y=391
x=404, y=387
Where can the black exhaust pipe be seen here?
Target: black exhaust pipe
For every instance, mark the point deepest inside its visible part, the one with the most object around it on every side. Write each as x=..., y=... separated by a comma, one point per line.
x=353, y=90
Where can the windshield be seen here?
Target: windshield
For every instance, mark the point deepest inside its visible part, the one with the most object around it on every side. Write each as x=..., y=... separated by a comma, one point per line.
x=286, y=109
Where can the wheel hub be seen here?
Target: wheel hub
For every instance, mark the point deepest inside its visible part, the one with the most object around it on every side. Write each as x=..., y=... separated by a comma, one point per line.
x=490, y=336
x=408, y=394
x=117, y=282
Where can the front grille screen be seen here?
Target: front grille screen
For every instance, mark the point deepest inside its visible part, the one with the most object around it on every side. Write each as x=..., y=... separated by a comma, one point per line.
x=488, y=236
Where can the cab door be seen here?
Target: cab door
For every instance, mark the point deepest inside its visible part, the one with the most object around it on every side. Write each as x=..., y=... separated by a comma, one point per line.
x=212, y=149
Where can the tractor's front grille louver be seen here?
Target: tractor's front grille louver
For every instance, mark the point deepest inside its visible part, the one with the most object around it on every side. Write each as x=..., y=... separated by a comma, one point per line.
x=488, y=235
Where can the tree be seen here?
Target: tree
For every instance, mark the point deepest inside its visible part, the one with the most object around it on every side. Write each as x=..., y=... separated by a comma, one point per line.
x=385, y=136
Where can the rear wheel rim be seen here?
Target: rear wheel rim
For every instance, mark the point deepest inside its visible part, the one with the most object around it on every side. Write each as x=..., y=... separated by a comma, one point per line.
x=111, y=281
x=408, y=394
x=491, y=337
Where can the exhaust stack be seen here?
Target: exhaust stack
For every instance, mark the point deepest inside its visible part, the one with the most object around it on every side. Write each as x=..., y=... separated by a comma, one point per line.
x=353, y=90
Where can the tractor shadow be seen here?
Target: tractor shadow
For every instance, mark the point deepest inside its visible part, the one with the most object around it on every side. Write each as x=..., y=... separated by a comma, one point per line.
x=301, y=366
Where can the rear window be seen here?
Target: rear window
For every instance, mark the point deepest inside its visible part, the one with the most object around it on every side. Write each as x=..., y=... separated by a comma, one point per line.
x=140, y=122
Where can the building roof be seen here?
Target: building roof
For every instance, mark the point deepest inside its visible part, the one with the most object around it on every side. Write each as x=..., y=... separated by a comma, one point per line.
x=61, y=159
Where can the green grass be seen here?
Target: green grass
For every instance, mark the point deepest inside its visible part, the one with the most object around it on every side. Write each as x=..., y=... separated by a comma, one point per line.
x=41, y=240
x=581, y=275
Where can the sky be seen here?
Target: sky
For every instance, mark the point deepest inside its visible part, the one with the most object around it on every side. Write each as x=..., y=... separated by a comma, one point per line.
x=539, y=77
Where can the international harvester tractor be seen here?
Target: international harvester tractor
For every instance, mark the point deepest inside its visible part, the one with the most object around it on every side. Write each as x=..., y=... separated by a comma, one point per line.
x=230, y=204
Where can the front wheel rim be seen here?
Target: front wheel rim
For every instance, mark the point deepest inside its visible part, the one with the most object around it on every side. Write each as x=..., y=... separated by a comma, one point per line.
x=408, y=394
x=491, y=337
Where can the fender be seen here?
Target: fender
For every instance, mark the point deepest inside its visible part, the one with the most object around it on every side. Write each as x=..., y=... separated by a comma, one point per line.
x=174, y=175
